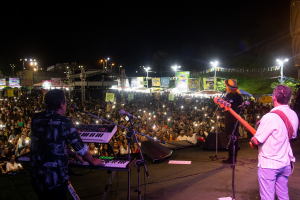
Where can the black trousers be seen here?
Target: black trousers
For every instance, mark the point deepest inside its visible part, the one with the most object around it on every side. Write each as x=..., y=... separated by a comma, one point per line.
x=228, y=130
x=58, y=193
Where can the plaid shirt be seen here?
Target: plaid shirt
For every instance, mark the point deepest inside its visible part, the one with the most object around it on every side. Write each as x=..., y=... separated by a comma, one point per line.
x=48, y=156
x=275, y=150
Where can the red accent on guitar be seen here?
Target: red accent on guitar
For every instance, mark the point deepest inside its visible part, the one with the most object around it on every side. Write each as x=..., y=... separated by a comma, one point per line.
x=227, y=106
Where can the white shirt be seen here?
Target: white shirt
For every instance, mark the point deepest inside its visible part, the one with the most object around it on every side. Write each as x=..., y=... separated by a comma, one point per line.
x=192, y=139
x=123, y=150
x=10, y=167
x=179, y=138
x=275, y=150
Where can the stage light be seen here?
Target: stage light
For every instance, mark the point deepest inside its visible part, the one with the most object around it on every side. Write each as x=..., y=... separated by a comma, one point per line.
x=97, y=122
x=181, y=106
x=195, y=108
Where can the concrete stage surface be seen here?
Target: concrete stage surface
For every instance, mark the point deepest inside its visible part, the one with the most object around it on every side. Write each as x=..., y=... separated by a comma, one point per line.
x=203, y=179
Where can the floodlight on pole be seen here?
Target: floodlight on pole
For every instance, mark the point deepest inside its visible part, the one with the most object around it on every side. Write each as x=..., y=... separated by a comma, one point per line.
x=147, y=69
x=175, y=67
x=280, y=62
x=215, y=64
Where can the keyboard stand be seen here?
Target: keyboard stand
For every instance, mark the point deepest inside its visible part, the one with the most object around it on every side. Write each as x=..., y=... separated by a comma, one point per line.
x=108, y=185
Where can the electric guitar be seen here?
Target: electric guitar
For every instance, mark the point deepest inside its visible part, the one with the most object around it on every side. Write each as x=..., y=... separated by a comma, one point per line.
x=227, y=106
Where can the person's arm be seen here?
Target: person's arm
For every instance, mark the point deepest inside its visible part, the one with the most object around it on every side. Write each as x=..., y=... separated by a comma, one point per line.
x=8, y=167
x=254, y=141
x=78, y=145
x=92, y=161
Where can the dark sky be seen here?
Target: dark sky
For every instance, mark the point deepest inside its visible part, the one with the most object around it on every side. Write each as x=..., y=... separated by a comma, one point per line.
x=192, y=34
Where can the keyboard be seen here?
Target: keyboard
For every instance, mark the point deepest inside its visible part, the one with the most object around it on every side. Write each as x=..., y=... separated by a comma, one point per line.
x=114, y=163
x=97, y=133
x=110, y=164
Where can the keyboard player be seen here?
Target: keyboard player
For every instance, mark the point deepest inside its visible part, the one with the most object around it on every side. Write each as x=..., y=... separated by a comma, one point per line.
x=50, y=132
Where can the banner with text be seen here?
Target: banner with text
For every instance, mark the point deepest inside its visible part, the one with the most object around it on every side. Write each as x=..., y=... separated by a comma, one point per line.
x=130, y=97
x=208, y=83
x=182, y=81
x=134, y=82
x=139, y=81
x=155, y=81
x=55, y=82
x=194, y=84
x=110, y=97
x=171, y=97
x=165, y=81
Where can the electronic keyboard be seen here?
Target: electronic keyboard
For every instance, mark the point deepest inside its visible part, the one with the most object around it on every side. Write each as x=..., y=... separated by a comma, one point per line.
x=97, y=133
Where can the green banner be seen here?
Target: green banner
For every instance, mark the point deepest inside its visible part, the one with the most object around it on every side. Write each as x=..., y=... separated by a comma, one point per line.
x=110, y=97
x=171, y=97
x=130, y=97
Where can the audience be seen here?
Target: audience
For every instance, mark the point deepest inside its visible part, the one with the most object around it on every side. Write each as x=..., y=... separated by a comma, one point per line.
x=161, y=119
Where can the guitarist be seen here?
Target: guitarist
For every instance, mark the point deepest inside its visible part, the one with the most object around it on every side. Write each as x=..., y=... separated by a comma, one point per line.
x=232, y=94
x=274, y=150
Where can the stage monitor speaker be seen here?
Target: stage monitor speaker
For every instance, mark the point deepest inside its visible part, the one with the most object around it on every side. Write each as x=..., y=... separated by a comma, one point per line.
x=210, y=142
x=155, y=151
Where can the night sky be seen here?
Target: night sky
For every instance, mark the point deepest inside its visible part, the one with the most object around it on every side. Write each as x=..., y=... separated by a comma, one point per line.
x=190, y=34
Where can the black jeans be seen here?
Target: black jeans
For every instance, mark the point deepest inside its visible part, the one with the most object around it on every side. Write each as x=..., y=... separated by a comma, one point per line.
x=228, y=130
x=58, y=193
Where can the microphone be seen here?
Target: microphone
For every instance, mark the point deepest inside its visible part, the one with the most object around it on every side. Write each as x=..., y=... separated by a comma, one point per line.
x=122, y=112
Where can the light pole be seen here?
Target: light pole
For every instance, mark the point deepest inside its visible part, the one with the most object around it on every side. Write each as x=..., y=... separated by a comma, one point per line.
x=175, y=69
x=111, y=67
x=215, y=64
x=147, y=69
x=120, y=68
x=12, y=66
x=281, y=65
x=25, y=59
x=106, y=63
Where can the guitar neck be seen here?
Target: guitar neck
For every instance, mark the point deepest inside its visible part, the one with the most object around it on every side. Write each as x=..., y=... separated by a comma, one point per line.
x=250, y=128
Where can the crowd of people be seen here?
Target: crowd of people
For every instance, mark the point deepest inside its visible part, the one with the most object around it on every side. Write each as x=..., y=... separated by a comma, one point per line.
x=186, y=118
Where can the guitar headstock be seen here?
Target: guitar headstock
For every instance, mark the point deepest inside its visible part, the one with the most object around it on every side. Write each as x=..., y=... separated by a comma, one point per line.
x=224, y=104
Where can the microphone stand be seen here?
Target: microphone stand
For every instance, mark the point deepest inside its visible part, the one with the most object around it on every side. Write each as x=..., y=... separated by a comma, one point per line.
x=216, y=156
x=233, y=138
x=138, y=163
x=131, y=132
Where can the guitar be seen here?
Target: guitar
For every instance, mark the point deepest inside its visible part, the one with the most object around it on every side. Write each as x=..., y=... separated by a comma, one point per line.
x=227, y=106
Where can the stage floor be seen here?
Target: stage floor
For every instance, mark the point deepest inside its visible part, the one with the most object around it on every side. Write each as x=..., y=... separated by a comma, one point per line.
x=202, y=179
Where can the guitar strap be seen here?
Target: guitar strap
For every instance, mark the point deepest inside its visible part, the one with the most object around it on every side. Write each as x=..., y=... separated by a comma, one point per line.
x=286, y=122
